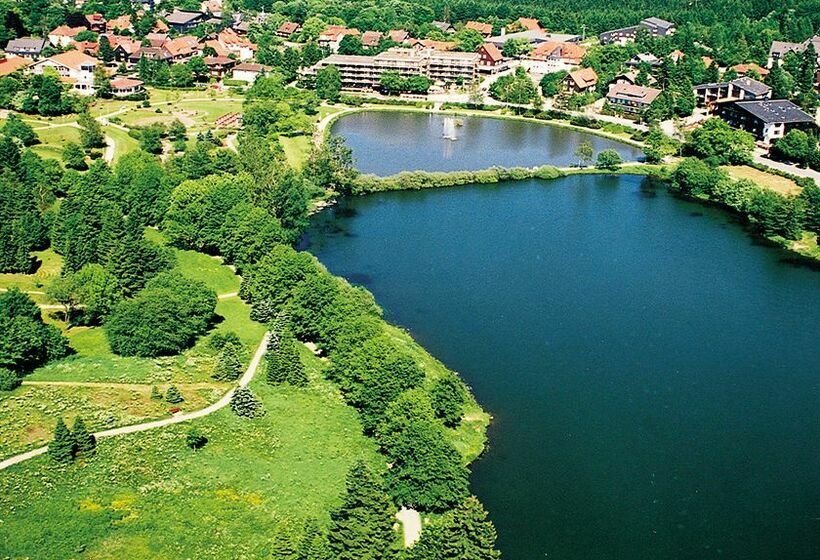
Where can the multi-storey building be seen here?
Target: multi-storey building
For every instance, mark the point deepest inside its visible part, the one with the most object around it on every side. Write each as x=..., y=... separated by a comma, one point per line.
x=363, y=72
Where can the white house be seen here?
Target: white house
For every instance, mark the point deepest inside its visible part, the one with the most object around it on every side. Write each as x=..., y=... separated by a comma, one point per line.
x=73, y=67
x=63, y=35
x=249, y=71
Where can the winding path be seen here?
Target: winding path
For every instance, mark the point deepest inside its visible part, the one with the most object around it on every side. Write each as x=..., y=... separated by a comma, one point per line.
x=221, y=403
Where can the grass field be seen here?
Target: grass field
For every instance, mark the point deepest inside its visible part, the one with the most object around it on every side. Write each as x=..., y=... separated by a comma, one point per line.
x=296, y=149
x=149, y=496
x=49, y=268
x=771, y=181
x=53, y=140
x=123, y=143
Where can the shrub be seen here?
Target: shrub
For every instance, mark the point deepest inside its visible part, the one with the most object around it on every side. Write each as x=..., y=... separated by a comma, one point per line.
x=608, y=159
x=9, y=380
x=448, y=398
x=194, y=439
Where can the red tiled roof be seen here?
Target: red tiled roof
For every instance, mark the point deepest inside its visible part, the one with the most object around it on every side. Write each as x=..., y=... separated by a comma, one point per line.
x=371, y=38
x=492, y=51
x=530, y=24
x=12, y=65
x=584, y=78
x=744, y=68
x=289, y=27
x=483, y=28
x=125, y=83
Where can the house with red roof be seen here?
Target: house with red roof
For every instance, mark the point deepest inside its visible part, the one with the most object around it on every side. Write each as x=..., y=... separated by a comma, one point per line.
x=581, y=81
x=63, y=35
x=486, y=29
x=490, y=58
x=124, y=87
x=529, y=24
x=332, y=36
x=287, y=29
x=96, y=23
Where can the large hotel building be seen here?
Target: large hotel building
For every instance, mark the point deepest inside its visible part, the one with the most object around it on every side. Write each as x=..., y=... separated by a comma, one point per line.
x=363, y=72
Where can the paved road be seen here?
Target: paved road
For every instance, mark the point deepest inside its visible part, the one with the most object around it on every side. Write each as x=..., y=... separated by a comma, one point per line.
x=221, y=403
x=793, y=169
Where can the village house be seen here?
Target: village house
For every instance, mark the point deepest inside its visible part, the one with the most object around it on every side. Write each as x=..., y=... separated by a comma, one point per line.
x=122, y=23
x=768, y=120
x=249, y=71
x=631, y=99
x=398, y=35
x=581, y=81
x=124, y=87
x=780, y=49
x=744, y=69
x=157, y=39
x=631, y=77
x=96, y=23
x=332, y=36
x=553, y=56
x=182, y=48
x=430, y=44
x=73, y=67
x=218, y=66
x=485, y=29
x=150, y=53
x=26, y=47
x=643, y=58
x=183, y=21
x=212, y=7
x=63, y=35
x=490, y=58
x=443, y=26
x=123, y=47
x=656, y=27
x=10, y=65
x=528, y=24
x=287, y=29
x=740, y=89
x=371, y=39
x=241, y=47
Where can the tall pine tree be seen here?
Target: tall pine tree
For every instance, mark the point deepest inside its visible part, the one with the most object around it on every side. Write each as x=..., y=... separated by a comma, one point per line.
x=61, y=448
x=284, y=363
x=362, y=527
x=464, y=533
x=85, y=441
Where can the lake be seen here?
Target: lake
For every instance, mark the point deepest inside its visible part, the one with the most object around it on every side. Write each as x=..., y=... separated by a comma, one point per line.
x=387, y=142
x=652, y=371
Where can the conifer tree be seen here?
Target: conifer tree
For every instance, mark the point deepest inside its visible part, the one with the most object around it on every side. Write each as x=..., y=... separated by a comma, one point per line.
x=284, y=363
x=229, y=364
x=314, y=545
x=286, y=540
x=85, y=441
x=362, y=527
x=244, y=403
x=61, y=447
x=448, y=397
x=173, y=396
x=464, y=533
x=155, y=393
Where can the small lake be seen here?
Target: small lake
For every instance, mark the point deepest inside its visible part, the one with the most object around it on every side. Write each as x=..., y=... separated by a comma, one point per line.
x=387, y=142
x=653, y=372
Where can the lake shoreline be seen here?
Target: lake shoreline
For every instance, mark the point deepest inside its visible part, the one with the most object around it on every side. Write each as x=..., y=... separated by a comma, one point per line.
x=325, y=127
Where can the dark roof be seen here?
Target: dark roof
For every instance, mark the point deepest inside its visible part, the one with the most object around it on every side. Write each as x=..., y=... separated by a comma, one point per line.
x=777, y=111
x=26, y=44
x=658, y=22
x=752, y=86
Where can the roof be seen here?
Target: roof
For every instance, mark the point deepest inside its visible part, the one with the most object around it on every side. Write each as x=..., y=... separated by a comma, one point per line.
x=157, y=39
x=658, y=22
x=492, y=51
x=26, y=44
x=217, y=47
x=66, y=31
x=443, y=26
x=218, y=60
x=182, y=46
x=72, y=59
x=481, y=27
x=743, y=68
x=252, y=67
x=647, y=58
x=583, y=78
x=777, y=111
x=707, y=60
x=544, y=50
x=435, y=45
x=572, y=51
x=336, y=32
x=94, y=18
x=638, y=94
x=530, y=24
x=125, y=83
x=12, y=65
x=289, y=27
x=122, y=22
x=399, y=35
x=752, y=86
x=371, y=38
x=180, y=17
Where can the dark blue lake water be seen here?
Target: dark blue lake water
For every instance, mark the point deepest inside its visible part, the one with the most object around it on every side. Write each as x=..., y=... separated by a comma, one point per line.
x=653, y=372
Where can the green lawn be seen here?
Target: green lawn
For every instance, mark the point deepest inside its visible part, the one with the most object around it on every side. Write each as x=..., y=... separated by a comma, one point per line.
x=48, y=269
x=296, y=149
x=207, y=269
x=148, y=496
x=54, y=139
x=123, y=143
